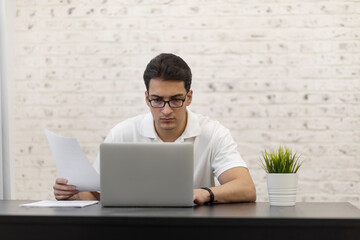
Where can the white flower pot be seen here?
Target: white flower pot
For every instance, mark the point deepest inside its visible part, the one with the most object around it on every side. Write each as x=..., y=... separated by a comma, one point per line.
x=282, y=188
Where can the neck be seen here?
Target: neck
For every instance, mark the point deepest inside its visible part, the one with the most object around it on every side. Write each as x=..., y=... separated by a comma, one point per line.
x=168, y=137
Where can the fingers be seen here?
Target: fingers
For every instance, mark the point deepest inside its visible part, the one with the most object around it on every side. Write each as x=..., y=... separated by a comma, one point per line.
x=195, y=197
x=68, y=192
x=62, y=191
x=64, y=187
x=200, y=196
x=63, y=195
x=66, y=197
x=61, y=184
x=61, y=181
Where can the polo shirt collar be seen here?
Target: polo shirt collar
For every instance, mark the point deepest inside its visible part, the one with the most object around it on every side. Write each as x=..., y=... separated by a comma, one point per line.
x=192, y=128
x=147, y=128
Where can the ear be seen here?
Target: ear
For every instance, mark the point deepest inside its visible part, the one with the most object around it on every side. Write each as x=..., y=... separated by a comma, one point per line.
x=147, y=98
x=189, y=98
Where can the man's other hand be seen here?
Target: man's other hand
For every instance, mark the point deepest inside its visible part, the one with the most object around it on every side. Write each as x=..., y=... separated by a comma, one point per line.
x=62, y=191
x=201, y=196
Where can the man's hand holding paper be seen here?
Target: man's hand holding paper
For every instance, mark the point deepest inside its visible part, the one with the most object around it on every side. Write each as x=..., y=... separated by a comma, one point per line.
x=75, y=171
x=62, y=191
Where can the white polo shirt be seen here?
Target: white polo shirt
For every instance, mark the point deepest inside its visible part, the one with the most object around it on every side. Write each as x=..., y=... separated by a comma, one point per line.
x=215, y=151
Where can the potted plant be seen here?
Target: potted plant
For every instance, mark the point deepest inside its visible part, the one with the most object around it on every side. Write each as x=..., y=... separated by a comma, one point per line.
x=281, y=166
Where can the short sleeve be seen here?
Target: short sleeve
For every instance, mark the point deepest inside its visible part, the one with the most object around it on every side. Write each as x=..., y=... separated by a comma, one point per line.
x=225, y=152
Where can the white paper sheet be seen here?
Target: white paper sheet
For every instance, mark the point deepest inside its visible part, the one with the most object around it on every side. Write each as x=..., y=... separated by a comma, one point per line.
x=58, y=204
x=72, y=163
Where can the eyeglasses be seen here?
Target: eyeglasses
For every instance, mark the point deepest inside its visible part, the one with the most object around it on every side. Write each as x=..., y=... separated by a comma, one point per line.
x=174, y=103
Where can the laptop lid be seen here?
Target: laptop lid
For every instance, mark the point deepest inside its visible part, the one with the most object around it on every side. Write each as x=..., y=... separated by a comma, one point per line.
x=146, y=174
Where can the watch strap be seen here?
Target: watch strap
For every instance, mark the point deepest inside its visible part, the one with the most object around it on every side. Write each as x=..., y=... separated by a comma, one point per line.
x=212, y=197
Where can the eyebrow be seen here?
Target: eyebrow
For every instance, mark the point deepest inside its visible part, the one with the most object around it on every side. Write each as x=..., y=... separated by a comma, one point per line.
x=174, y=96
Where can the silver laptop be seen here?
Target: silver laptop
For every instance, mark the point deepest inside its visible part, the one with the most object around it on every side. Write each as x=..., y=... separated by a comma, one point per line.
x=146, y=174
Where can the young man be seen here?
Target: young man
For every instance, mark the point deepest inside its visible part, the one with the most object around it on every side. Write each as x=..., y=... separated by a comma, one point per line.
x=168, y=80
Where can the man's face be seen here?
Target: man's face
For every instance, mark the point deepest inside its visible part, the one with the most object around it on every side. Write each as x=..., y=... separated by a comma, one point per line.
x=167, y=118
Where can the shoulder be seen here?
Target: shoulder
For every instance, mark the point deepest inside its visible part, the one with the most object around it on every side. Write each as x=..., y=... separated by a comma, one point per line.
x=128, y=127
x=209, y=127
x=133, y=121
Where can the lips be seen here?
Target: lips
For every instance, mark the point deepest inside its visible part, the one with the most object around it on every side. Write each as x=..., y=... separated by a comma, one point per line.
x=167, y=119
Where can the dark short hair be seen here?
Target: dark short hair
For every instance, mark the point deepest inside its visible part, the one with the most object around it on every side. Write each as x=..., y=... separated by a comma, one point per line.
x=168, y=67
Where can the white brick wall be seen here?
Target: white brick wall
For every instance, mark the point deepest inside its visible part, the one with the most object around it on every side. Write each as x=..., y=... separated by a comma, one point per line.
x=274, y=72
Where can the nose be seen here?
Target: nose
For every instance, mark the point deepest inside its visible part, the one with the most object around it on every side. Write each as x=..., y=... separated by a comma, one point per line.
x=166, y=110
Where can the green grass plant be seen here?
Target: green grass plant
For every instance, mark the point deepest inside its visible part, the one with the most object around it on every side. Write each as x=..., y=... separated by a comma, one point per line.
x=281, y=161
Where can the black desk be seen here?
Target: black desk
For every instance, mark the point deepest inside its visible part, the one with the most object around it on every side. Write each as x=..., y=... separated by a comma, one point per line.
x=222, y=221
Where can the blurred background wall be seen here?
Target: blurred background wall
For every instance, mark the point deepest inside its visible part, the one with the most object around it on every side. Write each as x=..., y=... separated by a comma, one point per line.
x=273, y=71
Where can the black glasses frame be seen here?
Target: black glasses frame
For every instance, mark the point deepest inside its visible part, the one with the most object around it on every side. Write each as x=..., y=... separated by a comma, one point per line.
x=168, y=102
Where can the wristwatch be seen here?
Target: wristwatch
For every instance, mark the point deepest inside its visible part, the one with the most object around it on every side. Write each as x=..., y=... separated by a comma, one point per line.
x=211, y=195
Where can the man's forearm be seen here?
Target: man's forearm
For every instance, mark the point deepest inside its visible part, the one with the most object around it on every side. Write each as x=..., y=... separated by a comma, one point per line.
x=88, y=196
x=234, y=191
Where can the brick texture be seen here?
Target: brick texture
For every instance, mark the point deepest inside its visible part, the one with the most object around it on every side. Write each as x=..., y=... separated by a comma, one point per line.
x=274, y=72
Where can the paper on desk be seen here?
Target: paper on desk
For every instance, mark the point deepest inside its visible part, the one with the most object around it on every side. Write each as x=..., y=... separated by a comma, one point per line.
x=72, y=163
x=59, y=204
